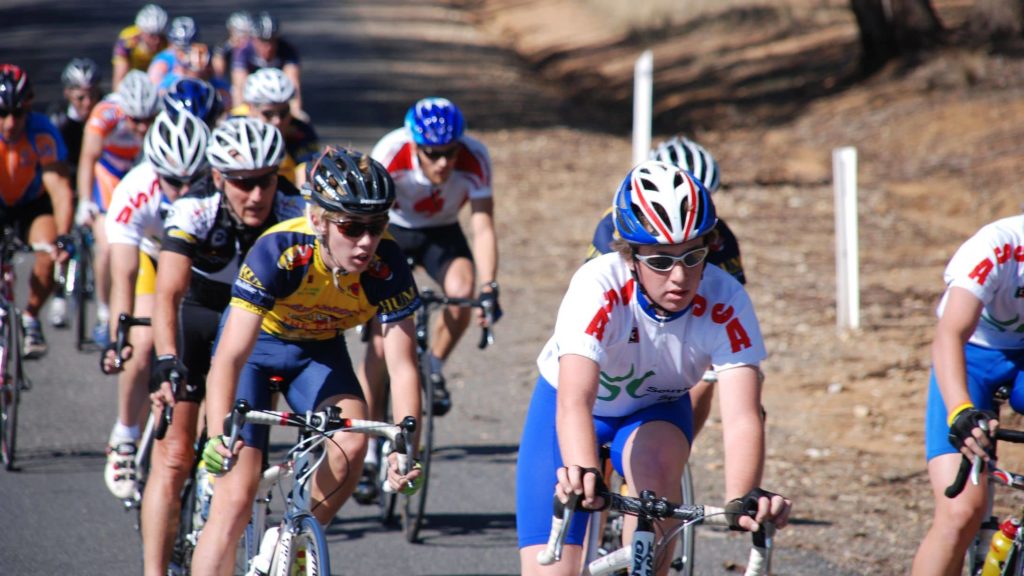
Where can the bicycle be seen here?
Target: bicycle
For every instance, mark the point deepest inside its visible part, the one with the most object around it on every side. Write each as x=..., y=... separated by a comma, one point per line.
x=642, y=557
x=13, y=380
x=297, y=542
x=974, y=562
x=76, y=281
x=414, y=506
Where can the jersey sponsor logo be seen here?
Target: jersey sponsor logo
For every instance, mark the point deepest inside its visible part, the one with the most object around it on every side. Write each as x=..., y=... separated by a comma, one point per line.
x=1003, y=325
x=245, y=274
x=219, y=238
x=614, y=385
x=402, y=300
x=601, y=318
x=379, y=269
x=295, y=256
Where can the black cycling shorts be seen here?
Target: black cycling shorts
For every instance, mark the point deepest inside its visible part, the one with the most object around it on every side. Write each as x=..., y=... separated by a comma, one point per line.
x=199, y=326
x=22, y=217
x=433, y=248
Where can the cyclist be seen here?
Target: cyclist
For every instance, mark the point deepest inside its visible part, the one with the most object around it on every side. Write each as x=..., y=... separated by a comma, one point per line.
x=112, y=140
x=437, y=169
x=175, y=158
x=724, y=248
x=305, y=282
x=978, y=348
x=195, y=96
x=182, y=34
x=267, y=49
x=635, y=330
x=205, y=239
x=81, y=79
x=267, y=94
x=240, y=27
x=36, y=194
x=137, y=45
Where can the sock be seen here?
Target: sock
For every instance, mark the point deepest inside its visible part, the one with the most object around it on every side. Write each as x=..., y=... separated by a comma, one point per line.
x=102, y=313
x=122, y=432
x=371, y=453
x=436, y=364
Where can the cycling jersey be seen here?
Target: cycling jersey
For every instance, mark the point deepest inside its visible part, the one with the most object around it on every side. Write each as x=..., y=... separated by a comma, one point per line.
x=285, y=281
x=120, y=146
x=21, y=171
x=130, y=47
x=644, y=358
x=203, y=227
x=138, y=208
x=246, y=58
x=71, y=129
x=725, y=249
x=421, y=204
x=162, y=65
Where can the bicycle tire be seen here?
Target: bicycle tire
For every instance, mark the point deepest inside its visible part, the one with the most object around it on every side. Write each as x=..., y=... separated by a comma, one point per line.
x=683, y=549
x=416, y=504
x=185, y=540
x=308, y=538
x=80, y=293
x=11, y=371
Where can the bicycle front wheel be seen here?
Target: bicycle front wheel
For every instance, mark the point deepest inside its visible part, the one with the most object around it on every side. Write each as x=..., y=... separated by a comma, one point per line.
x=80, y=293
x=416, y=505
x=306, y=554
x=10, y=388
x=683, y=547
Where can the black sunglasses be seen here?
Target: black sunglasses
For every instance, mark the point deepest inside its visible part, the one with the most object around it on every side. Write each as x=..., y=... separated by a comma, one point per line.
x=177, y=183
x=664, y=262
x=271, y=113
x=247, y=183
x=356, y=229
x=17, y=113
x=436, y=154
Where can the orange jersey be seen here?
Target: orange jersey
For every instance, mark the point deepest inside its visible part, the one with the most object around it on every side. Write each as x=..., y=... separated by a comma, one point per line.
x=120, y=142
x=22, y=161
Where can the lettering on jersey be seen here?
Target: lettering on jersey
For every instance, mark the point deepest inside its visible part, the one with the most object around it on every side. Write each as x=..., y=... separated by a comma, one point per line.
x=181, y=235
x=405, y=298
x=738, y=338
x=430, y=205
x=125, y=215
x=601, y=318
x=613, y=386
x=699, y=306
x=981, y=271
x=245, y=274
x=295, y=256
x=720, y=313
x=634, y=336
x=378, y=269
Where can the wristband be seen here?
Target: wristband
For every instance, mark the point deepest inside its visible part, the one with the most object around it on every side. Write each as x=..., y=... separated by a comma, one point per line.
x=956, y=412
x=492, y=285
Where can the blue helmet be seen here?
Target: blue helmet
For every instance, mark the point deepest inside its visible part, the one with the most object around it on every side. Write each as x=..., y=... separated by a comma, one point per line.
x=183, y=31
x=659, y=203
x=195, y=96
x=434, y=122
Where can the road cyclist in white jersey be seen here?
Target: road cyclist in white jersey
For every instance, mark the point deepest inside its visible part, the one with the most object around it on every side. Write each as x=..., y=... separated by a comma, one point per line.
x=978, y=348
x=636, y=330
x=175, y=158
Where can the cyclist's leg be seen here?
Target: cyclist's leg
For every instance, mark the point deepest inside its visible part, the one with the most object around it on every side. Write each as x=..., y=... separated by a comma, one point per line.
x=458, y=283
x=373, y=371
x=956, y=520
x=105, y=181
x=42, y=230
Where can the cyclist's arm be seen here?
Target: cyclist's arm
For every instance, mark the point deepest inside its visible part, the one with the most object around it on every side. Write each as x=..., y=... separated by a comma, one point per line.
x=124, y=270
x=400, y=357
x=577, y=392
x=742, y=429
x=233, y=348
x=173, y=275
x=92, y=147
x=956, y=325
x=485, y=241
x=58, y=186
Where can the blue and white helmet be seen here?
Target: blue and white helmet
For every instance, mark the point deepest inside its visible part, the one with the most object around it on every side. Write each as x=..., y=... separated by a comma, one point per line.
x=434, y=122
x=196, y=96
x=183, y=31
x=689, y=156
x=659, y=203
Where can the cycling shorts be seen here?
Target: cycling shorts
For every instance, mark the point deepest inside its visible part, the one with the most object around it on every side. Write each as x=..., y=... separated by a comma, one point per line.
x=433, y=248
x=540, y=457
x=198, y=332
x=312, y=371
x=105, y=178
x=987, y=370
x=22, y=217
x=145, y=281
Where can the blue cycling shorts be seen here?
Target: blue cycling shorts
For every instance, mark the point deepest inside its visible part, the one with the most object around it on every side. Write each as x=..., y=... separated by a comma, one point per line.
x=987, y=370
x=540, y=458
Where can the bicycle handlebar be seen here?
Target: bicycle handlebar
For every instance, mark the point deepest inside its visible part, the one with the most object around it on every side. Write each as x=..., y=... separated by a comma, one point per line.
x=969, y=468
x=429, y=297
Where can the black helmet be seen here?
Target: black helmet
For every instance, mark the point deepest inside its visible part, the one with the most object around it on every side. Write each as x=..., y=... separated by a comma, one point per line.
x=15, y=89
x=343, y=180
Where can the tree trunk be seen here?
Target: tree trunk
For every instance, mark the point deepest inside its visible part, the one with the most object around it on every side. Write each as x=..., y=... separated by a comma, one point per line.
x=894, y=28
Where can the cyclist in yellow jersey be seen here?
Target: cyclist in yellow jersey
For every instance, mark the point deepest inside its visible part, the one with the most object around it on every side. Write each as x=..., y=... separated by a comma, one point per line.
x=137, y=44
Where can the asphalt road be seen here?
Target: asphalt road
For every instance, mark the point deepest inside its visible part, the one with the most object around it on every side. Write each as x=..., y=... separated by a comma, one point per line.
x=364, y=61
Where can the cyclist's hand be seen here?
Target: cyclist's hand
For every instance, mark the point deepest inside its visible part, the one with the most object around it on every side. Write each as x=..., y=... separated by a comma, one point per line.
x=409, y=483
x=489, y=299
x=216, y=451
x=86, y=212
x=966, y=433
x=585, y=482
x=108, y=358
x=163, y=396
x=168, y=365
x=756, y=507
x=60, y=253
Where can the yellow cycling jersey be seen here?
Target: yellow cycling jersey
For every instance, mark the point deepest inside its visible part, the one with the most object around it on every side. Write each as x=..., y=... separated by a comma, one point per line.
x=284, y=280
x=130, y=46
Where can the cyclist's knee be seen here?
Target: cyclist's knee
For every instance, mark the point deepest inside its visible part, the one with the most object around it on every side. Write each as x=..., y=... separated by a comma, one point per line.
x=958, y=517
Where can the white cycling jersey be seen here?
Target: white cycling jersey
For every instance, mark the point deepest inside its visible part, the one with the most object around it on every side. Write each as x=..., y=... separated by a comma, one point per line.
x=644, y=359
x=990, y=265
x=420, y=204
x=137, y=210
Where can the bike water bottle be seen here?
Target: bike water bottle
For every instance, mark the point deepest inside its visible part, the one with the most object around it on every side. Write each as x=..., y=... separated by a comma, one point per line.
x=1002, y=541
x=204, y=492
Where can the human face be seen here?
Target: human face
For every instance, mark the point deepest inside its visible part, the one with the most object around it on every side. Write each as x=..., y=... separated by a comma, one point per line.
x=277, y=115
x=352, y=239
x=140, y=125
x=12, y=122
x=175, y=188
x=674, y=289
x=438, y=162
x=265, y=49
x=250, y=193
x=82, y=99
x=152, y=41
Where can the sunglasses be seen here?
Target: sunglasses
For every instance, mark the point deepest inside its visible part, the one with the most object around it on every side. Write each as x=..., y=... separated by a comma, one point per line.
x=664, y=262
x=83, y=97
x=146, y=120
x=270, y=113
x=17, y=113
x=356, y=229
x=247, y=183
x=178, y=183
x=436, y=154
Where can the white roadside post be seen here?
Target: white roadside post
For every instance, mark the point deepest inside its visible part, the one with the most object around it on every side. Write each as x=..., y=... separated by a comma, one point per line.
x=643, y=97
x=844, y=177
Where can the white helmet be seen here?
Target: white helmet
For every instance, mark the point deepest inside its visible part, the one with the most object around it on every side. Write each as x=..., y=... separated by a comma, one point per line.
x=183, y=31
x=241, y=22
x=268, y=86
x=243, y=143
x=137, y=95
x=81, y=73
x=689, y=156
x=152, y=19
x=176, y=146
